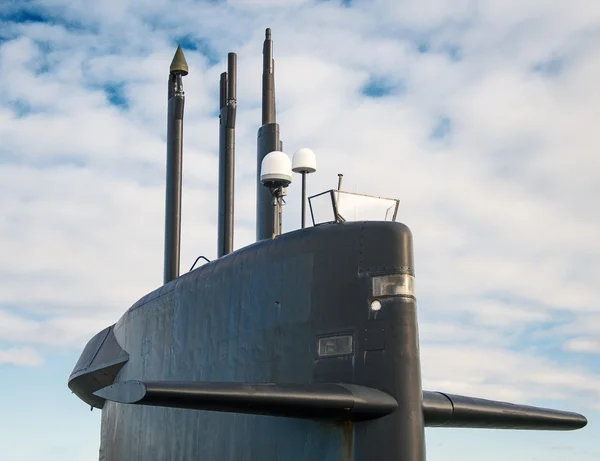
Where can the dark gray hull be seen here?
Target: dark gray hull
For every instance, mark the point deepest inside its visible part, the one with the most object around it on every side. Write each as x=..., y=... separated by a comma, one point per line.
x=255, y=316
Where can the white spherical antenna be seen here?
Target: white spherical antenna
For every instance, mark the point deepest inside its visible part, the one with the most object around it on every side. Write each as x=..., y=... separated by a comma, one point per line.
x=304, y=161
x=276, y=170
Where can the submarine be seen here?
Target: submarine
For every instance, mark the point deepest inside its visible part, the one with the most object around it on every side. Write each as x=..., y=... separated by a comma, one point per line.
x=301, y=346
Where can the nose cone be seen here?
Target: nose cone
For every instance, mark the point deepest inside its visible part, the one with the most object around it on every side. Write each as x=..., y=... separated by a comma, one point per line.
x=179, y=64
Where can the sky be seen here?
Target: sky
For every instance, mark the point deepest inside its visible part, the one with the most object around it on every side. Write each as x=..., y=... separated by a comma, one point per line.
x=481, y=116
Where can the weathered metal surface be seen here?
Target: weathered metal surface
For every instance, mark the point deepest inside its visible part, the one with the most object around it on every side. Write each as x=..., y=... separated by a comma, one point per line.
x=323, y=402
x=255, y=316
x=98, y=366
x=448, y=410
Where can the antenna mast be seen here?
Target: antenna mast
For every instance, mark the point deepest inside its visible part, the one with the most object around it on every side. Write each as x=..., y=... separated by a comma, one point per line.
x=176, y=96
x=226, y=155
x=268, y=141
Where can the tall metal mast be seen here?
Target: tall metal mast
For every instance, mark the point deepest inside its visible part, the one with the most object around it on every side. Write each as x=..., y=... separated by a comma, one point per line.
x=268, y=141
x=176, y=96
x=226, y=155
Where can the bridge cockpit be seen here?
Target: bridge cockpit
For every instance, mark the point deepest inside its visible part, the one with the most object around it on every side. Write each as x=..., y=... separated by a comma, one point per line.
x=341, y=206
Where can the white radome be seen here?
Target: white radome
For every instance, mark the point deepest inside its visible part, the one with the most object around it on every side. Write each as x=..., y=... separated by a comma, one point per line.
x=276, y=170
x=304, y=161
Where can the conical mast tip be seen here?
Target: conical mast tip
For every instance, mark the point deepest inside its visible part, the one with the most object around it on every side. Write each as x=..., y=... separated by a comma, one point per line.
x=179, y=64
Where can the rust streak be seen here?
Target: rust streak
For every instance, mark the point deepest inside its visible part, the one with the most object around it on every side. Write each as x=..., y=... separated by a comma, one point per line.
x=347, y=440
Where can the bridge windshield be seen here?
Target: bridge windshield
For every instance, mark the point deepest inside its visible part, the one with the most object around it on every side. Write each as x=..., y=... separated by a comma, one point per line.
x=340, y=206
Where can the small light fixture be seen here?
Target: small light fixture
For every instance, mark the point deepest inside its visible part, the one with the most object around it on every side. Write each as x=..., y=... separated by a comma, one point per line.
x=375, y=305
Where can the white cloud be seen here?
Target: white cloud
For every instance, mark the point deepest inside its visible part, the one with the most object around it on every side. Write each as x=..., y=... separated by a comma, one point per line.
x=25, y=356
x=589, y=345
x=503, y=374
x=57, y=331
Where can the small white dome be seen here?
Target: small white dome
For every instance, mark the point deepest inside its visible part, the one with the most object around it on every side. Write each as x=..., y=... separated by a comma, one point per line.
x=276, y=170
x=304, y=161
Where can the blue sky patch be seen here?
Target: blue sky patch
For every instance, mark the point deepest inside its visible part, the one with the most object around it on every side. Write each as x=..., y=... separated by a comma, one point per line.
x=23, y=16
x=43, y=163
x=442, y=128
x=27, y=14
x=17, y=310
x=71, y=160
x=550, y=67
x=19, y=107
x=43, y=63
x=342, y=3
x=201, y=45
x=187, y=42
x=423, y=47
x=115, y=94
x=379, y=87
x=453, y=51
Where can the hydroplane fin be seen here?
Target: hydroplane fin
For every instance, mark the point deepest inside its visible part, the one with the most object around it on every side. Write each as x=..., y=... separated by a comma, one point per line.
x=342, y=402
x=447, y=410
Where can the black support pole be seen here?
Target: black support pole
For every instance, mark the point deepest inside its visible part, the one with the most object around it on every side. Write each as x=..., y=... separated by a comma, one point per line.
x=176, y=102
x=226, y=156
x=303, y=199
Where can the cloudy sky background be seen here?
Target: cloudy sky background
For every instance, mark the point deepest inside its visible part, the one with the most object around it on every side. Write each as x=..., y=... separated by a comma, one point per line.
x=481, y=116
